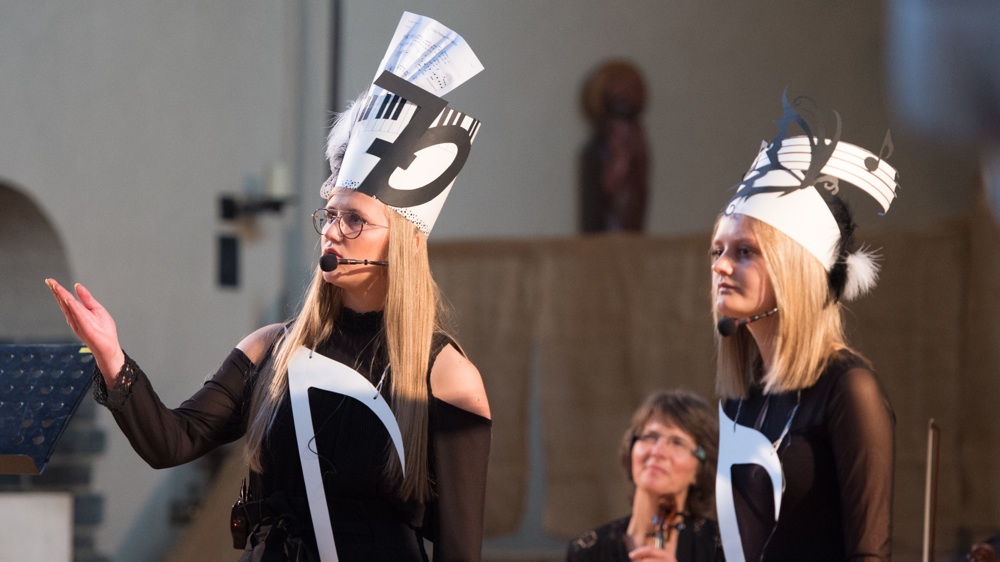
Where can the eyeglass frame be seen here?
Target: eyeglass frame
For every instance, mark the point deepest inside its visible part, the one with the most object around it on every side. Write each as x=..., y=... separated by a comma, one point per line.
x=333, y=216
x=672, y=441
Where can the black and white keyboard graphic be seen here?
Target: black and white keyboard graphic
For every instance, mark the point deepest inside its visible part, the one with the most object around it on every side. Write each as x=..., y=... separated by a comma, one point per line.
x=389, y=113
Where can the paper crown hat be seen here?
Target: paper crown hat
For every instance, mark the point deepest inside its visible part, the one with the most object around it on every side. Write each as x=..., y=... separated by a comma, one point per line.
x=794, y=185
x=400, y=143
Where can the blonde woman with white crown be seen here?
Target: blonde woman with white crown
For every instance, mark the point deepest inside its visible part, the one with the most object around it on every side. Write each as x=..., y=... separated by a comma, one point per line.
x=806, y=431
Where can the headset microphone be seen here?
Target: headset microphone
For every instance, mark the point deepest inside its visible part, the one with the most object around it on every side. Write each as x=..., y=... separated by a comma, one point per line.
x=728, y=326
x=329, y=262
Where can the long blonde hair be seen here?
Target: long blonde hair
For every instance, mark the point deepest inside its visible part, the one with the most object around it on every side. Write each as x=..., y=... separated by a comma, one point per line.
x=411, y=316
x=810, y=326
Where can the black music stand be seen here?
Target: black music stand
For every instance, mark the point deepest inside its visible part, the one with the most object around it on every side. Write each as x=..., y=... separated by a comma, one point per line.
x=41, y=385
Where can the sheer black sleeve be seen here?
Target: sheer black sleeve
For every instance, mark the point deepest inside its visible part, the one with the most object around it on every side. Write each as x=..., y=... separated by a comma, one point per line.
x=461, y=451
x=862, y=434
x=166, y=437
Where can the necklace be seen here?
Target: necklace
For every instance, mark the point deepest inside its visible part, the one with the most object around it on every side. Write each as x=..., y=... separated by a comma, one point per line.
x=763, y=416
x=378, y=387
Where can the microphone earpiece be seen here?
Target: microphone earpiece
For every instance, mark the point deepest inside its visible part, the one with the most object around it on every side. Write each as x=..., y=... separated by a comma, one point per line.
x=329, y=262
x=727, y=326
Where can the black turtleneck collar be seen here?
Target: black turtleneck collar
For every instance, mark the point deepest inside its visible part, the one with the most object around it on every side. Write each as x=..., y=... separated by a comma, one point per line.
x=358, y=341
x=368, y=322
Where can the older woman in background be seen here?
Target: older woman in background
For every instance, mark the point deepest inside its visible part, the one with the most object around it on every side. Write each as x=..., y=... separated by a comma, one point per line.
x=669, y=454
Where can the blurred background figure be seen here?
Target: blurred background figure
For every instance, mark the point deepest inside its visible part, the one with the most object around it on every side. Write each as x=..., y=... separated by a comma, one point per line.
x=984, y=551
x=669, y=454
x=614, y=170
x=944, y=80
x=944, y=77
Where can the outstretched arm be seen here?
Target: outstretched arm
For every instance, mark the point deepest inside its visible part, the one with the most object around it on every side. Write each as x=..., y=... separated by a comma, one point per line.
x=162, y=436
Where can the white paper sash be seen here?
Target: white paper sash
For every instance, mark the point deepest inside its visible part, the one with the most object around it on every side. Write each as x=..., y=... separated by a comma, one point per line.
x=741, y=445
x=312, y=370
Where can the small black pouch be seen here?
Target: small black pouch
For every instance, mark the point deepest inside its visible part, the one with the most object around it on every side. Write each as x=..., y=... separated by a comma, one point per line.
x=239, y=526
x=239, y=519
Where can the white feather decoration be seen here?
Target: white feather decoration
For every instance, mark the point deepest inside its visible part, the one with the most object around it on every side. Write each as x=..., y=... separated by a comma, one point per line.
x=862, y=273
x=336, y=142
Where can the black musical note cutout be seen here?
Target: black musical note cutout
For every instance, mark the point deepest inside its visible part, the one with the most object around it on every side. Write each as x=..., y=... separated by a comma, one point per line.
x=887, y=148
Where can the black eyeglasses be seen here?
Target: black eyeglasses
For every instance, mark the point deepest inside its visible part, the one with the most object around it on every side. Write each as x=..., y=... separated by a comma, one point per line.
x=674, y=445
x=350, y=223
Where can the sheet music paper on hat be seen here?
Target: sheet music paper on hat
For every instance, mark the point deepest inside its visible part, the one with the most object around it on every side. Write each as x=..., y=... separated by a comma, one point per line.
x=407, y=145
x=429, y=55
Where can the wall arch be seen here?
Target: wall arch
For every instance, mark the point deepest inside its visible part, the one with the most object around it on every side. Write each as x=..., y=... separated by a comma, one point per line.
x=30, y=251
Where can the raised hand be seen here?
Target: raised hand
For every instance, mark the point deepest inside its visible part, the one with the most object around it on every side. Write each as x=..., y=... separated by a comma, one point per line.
x=93, y=325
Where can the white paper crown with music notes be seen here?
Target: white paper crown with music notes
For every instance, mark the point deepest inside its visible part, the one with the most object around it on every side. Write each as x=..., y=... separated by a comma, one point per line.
x=791, y=186
x=400, y=143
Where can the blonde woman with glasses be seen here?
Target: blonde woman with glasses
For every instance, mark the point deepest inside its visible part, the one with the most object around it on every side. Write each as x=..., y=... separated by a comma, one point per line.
x=367, y=429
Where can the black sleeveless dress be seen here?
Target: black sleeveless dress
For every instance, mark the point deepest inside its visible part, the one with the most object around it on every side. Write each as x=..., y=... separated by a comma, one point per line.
x=369, y=518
